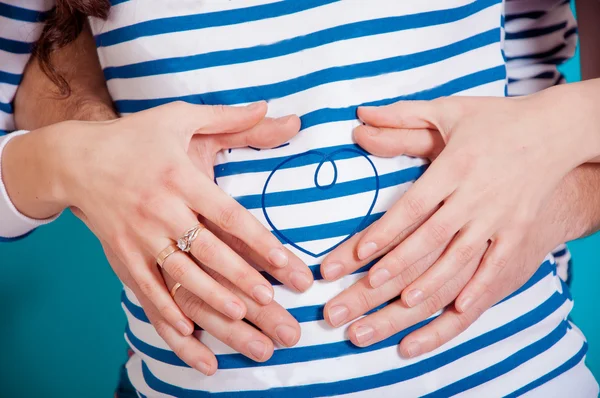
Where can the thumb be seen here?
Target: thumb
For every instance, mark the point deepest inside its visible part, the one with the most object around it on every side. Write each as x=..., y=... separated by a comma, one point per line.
x=389, y=142
x=206, y=119
x=403, y=114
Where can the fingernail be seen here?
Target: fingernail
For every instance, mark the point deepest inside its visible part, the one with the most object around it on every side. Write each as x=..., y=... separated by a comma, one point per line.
x=300, y=281
x=255, y=105
x=234, y=310
x=379, y=277
x=465, y=303
x=367, y=250
x=203, y=368
x=278, y=258
x=332, y=271
x=414, y=297
x=338, y=314
x=413, y=349
x=364, y=334
x=262, y=294
x=183, y=328
x=257, y=349
x=286, y=334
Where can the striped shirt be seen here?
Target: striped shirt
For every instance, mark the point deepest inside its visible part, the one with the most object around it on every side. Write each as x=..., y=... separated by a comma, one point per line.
x=320, y=59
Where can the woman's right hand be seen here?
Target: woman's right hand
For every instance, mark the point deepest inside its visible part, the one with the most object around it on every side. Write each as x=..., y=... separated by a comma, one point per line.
x=139, y=190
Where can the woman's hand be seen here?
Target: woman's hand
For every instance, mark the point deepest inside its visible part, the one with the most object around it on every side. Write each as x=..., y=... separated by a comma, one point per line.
x=496, y=162
x=133, y=180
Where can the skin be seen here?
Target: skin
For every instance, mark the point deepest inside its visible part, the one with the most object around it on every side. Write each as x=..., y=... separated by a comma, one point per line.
x=174, y=148
x=438, y=255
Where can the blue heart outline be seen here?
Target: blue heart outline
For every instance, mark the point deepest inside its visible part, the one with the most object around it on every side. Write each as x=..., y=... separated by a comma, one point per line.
x=324, y=159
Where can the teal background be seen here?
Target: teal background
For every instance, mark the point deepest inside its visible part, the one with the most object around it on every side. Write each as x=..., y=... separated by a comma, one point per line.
x=61, y=325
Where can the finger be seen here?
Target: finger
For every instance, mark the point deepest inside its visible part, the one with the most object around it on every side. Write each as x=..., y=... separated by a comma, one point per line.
x=468, y=245
x=361, y=298
x=269, y=133
x=185, y=271
x=215, y=254
x=187, y=348
x=237, y=334
x=388, y=142
x=435, y=186
x=396, y=317
x=231, y=217
x=293, y=275
x=434, y=233
x=344, y=260
x=438, y=332
x=205, y=119
x=145, y=273
x=494, y=262
x=402, y=114
x=274, y=321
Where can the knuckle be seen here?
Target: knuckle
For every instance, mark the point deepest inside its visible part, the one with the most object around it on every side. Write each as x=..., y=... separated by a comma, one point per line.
x=433, y=304
x=178, y=271
x=460, y=323
x=193, y=307
x=261, y=316
x=161, y=327
x=147, y=288
x=438, y=339
x=241, y=277
x=415, y=208
x=229, y=217
x=438, y=233
x=464, y=254
x=397, y=261
x=498, y=263
x=204, y=249
x=218, y=110
x=365, y=299
x=229, y=337
x=392, y=326
x=169, y=178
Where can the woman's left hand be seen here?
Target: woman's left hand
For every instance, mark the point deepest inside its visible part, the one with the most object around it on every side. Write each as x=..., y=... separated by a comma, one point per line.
x=497, y=161
x=485, y=199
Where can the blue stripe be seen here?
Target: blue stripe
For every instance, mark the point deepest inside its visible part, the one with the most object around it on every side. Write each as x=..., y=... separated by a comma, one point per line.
x=325, y=76
x=372, y=381
x=21, y=14
x=329, y=115
x=504, y=366
x=560, y=253
x=3, y=132
x=6, y=108
x=296, y=44
x=339, y=190
x=14, y=46
x=527, y=34
x=571, y=363
x=10, y=78
x=525, y=15
x=207, y=20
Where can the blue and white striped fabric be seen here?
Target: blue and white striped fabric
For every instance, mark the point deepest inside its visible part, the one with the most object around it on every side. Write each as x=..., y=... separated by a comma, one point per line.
x=320, y=59
x=20, y=26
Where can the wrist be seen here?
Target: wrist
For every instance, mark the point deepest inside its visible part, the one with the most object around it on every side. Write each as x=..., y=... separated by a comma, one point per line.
x=28, y=179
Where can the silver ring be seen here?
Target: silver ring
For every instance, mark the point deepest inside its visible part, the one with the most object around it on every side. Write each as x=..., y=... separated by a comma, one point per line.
x=185, y=242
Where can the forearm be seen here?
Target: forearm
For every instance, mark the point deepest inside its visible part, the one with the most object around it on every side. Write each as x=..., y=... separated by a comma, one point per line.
x=588, y=16
x=38, y=102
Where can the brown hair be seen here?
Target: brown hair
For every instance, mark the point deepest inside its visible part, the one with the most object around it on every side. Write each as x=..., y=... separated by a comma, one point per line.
x=62, y=26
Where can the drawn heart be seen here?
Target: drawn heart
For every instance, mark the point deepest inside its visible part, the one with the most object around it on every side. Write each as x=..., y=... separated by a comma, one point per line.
x=322, y=158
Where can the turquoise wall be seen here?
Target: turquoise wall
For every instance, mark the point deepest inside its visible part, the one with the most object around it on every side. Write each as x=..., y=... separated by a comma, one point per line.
x=62, y=326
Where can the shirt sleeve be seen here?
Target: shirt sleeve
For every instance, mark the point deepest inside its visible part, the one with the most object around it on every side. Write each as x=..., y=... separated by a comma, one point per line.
x=12, y=222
